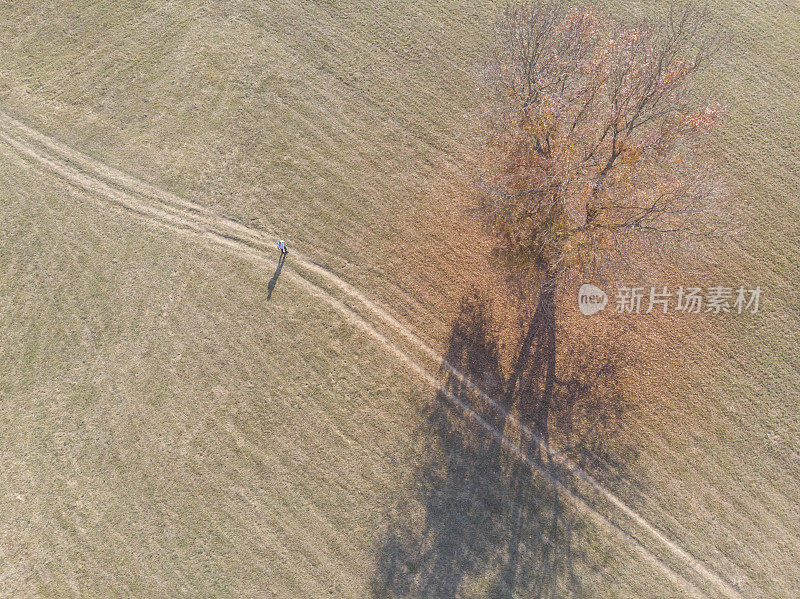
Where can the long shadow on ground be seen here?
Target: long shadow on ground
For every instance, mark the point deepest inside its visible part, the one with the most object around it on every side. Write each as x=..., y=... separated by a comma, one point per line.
x=484, y=524
x=274, y=280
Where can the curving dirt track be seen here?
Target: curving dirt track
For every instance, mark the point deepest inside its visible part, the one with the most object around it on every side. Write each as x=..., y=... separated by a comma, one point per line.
x=157, y=207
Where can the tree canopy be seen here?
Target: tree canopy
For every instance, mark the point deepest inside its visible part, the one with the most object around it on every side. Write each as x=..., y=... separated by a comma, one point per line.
x=594, y=141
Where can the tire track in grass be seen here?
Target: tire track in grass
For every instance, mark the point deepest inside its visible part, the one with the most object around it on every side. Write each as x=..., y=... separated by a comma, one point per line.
x=170, y=211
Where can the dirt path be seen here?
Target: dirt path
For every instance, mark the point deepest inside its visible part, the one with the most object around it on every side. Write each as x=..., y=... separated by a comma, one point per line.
x=158, y=207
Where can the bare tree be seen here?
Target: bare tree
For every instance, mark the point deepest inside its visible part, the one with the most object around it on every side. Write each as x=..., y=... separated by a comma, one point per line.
x=595, y=152
x=593, y=142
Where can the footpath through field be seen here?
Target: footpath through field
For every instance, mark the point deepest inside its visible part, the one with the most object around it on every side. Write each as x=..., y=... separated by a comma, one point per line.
x=110, y=186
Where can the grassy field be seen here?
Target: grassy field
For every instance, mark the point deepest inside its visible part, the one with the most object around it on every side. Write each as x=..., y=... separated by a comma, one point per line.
x=166, y=430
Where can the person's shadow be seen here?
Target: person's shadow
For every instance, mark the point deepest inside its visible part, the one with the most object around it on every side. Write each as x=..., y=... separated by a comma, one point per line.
x=274, y=279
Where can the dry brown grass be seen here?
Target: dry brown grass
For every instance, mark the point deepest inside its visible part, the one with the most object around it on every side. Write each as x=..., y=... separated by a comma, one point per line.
x=341, y=127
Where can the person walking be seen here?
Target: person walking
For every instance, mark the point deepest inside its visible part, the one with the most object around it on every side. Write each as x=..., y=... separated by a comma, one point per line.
x=282, y=247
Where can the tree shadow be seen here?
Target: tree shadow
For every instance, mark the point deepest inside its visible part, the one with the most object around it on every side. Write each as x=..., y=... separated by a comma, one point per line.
x=483, y=523
x=274, y=280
